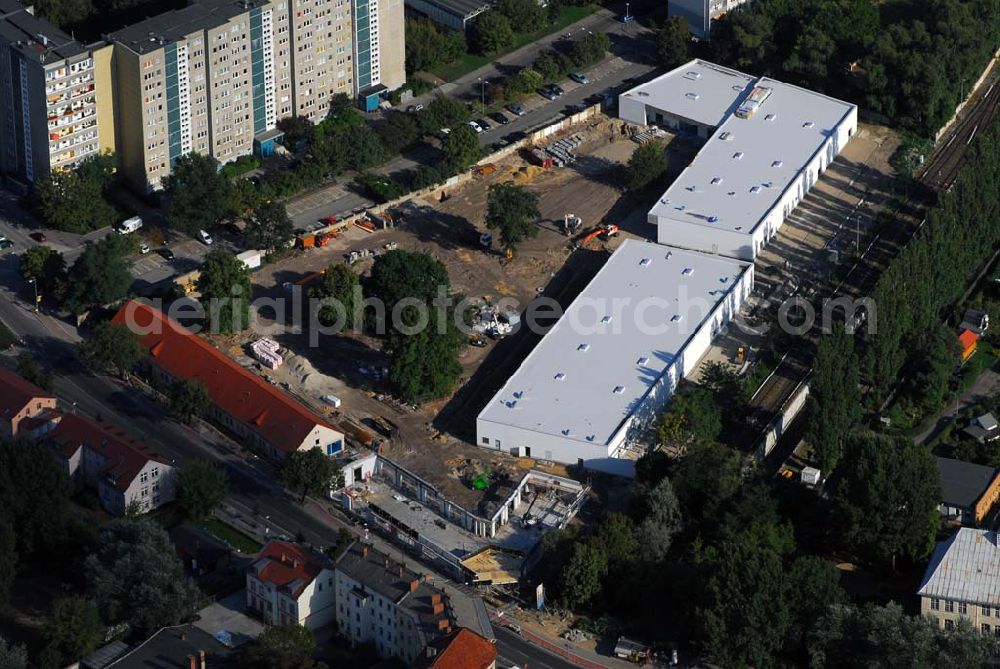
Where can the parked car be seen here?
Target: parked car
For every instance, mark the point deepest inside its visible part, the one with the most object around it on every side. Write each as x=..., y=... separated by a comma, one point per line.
x=500, y=118
x=443, y=134
x=516, y=109
x=547, y=93
x=414, y=108
x=475, y=126
x=143, y=248
x=557, y=89
x=38, y=237
x=5, y=243
x=579, y=77
x=484, y=124
x=165, y=253
x=205, y=237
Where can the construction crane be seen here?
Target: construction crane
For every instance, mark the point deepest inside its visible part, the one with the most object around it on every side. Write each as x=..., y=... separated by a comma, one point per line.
x=604, y=231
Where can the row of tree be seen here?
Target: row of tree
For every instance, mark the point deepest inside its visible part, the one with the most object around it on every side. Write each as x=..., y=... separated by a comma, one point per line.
x=911, y=60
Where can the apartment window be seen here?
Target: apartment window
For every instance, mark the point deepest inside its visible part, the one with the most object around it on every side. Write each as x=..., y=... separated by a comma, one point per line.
x=963, y=609
x=984, y=628
x=986, y=611
x=949, y=625
x=949, y=606
x=935, y=605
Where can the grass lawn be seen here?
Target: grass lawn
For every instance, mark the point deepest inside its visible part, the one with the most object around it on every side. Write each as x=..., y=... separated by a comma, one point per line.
x=470, y=61
x=235, y=538
x=7, y=337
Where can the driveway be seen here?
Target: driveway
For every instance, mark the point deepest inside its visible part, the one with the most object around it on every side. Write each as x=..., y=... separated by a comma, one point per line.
x=986, y=385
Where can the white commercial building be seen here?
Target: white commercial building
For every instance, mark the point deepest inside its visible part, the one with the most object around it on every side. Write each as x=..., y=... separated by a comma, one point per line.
x=600, y=377
x=768, y=143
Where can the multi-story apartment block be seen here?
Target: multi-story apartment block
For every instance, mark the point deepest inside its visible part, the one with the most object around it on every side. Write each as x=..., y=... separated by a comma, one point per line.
x=291, y=585
x=378, y=52
x=55, y=96
x=699, y=14
x=388, y=605
x=962, y=581
x=201, y=79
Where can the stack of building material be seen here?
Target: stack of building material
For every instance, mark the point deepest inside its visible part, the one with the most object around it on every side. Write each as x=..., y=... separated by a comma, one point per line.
x=266, y=351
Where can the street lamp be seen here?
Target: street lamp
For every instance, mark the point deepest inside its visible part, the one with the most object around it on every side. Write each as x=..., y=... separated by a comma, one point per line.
x=34, y=285
x=482, y=93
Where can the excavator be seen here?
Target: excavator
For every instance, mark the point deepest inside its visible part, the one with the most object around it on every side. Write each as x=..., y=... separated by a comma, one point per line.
x=604, y=231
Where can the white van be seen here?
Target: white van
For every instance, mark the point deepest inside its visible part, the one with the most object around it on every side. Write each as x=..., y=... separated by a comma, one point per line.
x=130, y=225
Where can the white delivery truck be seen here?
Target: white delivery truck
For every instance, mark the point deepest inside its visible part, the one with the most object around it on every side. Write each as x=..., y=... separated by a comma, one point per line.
x=130, y=225
x=252, y=259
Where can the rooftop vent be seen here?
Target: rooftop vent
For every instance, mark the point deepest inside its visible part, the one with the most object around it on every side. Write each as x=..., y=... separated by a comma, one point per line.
x=770, y=117
x=692, y=96
x=642, y=360
x=606, y=319
x=690, y=188
x=738, y=228
x=566, y=432
x=716, y=180
x=738, y=155
x=665, y=200
x=669, y=253
x=676, y=318
x=723, y=279
x=808, y=124
x=693, y=75
x=583, y=347
x=644, y=262
x=619, y=390
x=561, y=376
x=725, y=135
x=713, y=219
x=688, y=271
x=754, y=189
x=777, y=163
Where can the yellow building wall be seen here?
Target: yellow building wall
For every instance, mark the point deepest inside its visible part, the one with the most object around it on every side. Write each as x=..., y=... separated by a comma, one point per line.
x=104, y=87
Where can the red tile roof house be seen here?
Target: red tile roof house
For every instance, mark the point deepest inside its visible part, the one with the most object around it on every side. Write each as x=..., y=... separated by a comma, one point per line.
x=290, y=584
x=20, y=400
x=244, y=404
x=105, y=457
x=462, y=649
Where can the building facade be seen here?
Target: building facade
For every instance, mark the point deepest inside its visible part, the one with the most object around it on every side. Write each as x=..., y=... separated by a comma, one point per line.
x=962, y=581
x=291, y=585
x=699, y=14
x=388, y=605
x=55, y=101
x=20, y=401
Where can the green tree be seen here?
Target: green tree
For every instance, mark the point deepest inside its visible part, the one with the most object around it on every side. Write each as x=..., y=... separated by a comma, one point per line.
x=885, y=636
x=590, y=50
x=885, y=497
x=48, y=267
x=398, y=274
x=813, y=586
x=620, y=538
x=188, y=399
x=225, y=284
x=101, y=275
x=11, y=656
x=198, y=192
x=113, y=347
x=662, y=521
x=693, y=415
x=673, y=40
x=527, y=15
x=443, y=112
x=309, y=472
x=525, y=81
x=341, y=286
x=706, y=479
x=424, y=365
x=288, y=639
x=548, y=65
x=581, y=579
x=34, y=496
x=136, y=576
x=647, y=164
x=936, y=354
x=813, y=53
x=834, y=397
x=492, y=33
x=201, y=488
x=73, y=631
x=74, y=200
x=29, y=370
x=461, y=148
x=513, y=211
x=297, y=129
x=364, y=147
x=8, y=562
x=269, y=228
x=428, y=46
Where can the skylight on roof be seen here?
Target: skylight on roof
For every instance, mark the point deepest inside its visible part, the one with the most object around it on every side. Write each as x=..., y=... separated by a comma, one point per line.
x=644, y=262
x=777, y=163
x=688, y=271
x=770, y=117
x=642, y=360
x=676, y=318
x=738, y=155
x=716, y=180
x=619, y=390
x=692, y=96
x=583, y=347
x=754, y=189
x=808, y=124
x=560, y=376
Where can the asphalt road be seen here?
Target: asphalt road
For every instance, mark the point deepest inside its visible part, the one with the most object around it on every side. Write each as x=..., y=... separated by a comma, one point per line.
x=512, y=651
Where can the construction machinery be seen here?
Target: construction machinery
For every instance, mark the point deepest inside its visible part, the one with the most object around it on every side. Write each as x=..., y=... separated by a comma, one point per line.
x=571, y=223
x=603, y=231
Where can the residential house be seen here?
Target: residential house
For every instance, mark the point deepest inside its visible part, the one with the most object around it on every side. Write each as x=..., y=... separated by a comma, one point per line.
x=178, y=647
x=20, y=400
x=290, y=584
x=968, y=490
x=963, y=581
x=968, y=340
x=121, y=469
x=388, y=605
x=245, y=405
x=976, y=320
x=983, y=428
x=461, y=649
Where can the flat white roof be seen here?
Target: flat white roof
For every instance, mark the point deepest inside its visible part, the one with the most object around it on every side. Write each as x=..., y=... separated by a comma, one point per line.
x=743, y=169
x=700, y=91
x=592, y=369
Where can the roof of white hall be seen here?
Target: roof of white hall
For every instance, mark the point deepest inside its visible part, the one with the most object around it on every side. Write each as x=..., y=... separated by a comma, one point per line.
x=703, y=92
x=965, y=567
x=586, y=376
x=743, y=169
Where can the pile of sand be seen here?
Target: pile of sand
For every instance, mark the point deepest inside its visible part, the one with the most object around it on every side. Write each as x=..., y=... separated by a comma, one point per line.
x=309, y=379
